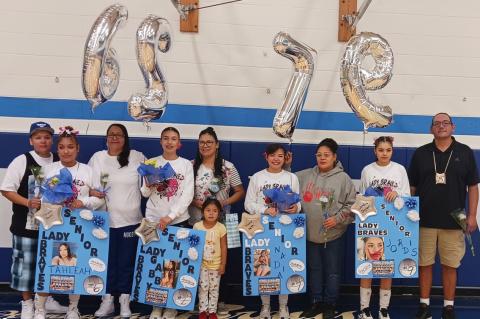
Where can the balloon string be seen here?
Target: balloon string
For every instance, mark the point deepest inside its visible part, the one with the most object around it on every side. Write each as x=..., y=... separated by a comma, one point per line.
x=88, y=126
x=147, y=125
x=365, y=131
x=213, y=5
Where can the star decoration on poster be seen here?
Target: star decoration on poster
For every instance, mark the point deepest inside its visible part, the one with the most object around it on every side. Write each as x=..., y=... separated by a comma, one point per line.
x=250, y=225
x=147, y=231
x=364, y=207
x=49, y=215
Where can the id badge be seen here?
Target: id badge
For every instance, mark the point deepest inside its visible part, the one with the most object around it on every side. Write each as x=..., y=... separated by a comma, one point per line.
x=440, y=178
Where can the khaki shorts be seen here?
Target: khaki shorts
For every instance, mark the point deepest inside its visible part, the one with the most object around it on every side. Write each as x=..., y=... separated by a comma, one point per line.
x=451, y=246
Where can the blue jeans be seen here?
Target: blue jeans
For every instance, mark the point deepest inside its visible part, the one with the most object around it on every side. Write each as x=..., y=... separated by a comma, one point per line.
x=325, y=265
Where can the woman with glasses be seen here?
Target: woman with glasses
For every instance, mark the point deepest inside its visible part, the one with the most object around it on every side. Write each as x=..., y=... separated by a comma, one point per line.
x=214, y=177
x=120, y=186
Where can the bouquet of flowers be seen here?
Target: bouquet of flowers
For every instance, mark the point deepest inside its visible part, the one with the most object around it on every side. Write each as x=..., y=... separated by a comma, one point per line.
x=153, y=174
x=215, y=186
x=282, y=198
x=58, y=189
x=460, y=217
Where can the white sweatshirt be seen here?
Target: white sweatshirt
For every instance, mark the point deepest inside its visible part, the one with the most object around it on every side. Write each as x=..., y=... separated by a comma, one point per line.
x=393, y=175
x=83, y=178
x=255, y=200
x=173, y=199
x=123, y=195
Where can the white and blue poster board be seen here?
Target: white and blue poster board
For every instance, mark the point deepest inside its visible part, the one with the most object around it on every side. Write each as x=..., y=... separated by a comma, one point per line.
x=72, y=257
x=274, y=260
x=167, y=271
x=386, y=242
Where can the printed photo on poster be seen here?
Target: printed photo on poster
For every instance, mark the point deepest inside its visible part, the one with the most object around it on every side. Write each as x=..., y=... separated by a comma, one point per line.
x=64, y=254
x=370, y=248
x=171, y=268
x=261, y=265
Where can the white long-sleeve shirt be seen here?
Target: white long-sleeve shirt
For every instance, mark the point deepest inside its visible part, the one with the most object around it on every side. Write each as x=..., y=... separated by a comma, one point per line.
x=393, y=175
x=83, y=178
x=173, y=198
x=123, y=184
x=255, y=200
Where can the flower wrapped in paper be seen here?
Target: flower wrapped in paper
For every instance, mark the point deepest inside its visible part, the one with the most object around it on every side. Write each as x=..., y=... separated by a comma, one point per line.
x=57, y=191
x=460, y=218
x=282, y=198
x=59, y=188
x=153, y=174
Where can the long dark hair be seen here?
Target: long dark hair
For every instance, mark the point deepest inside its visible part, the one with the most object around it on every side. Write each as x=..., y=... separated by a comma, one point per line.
x=125, y=153
x=218, y=164
x=69, y=253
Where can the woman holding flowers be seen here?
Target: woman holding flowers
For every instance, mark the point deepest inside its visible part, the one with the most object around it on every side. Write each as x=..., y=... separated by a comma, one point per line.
x=388, y=179
x=214, y=177
x=22, y=179
x=169, y=197
x=120, y=187
x=83, y=179
x=273, y=177
x=327, y=193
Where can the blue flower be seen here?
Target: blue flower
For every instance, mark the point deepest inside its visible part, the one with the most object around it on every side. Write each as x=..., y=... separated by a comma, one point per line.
x=193, y=240
x=98, y=221
x=299, y=221
x=411, y=203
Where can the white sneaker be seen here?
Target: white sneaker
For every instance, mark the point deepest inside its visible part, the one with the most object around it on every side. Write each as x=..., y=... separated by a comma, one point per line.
x=383, y=314
x=283, y=312
x=106, y=307
x=72, y=313
x=169, y=313
x=53, y=306
x=125, y=306
x=39, y=313
x=156, y=313
x=265, y=312
x=365, y=314
x=27, y=309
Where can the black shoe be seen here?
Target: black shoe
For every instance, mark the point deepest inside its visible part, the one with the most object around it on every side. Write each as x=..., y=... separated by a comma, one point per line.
x=423, y=312
x=448, y=312
x=365, y=313
x=315, y=309
x=329, y=311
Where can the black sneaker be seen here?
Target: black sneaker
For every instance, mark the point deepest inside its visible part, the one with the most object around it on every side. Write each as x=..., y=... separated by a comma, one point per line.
x=329, y=311
x=423, y=312
x=383, y=314
x=448, y=312
x=315, y=309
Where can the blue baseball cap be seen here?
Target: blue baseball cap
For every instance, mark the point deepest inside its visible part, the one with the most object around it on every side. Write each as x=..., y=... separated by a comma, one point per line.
x=40, y=126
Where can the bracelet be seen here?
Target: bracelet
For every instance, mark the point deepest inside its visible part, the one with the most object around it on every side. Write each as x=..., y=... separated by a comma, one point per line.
x=28, y=203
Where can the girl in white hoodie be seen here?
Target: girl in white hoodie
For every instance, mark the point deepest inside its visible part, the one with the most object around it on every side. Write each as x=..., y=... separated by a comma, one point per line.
x=255, y=203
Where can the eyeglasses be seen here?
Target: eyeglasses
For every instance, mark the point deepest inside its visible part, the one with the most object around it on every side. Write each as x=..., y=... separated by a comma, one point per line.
x=206, y=143
x=323, y=154
x=441, y=123
x=114, y=136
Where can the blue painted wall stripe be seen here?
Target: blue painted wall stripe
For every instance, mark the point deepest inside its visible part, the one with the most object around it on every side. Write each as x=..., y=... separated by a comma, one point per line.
x=220, y=115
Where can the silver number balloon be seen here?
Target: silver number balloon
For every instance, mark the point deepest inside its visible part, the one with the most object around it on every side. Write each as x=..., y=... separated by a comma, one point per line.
x=101, y=72
x=303, y=58
x=355, y=80
x=152, y=34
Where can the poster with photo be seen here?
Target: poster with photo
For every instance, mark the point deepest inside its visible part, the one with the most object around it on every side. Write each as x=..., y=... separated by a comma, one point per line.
x=274, y=258
x=386, y=238
x=72, y=254
x=167, y=270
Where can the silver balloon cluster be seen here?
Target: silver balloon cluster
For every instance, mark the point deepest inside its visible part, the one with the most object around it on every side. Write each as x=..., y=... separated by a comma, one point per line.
x=355, y=80
x=303, y=58
x=153, y=34
x=101, y=71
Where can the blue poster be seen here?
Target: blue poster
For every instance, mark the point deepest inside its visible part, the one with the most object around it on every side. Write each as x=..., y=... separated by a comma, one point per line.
x=274, y=255
x=167, y=270
x=386, y=237
x=72, y=254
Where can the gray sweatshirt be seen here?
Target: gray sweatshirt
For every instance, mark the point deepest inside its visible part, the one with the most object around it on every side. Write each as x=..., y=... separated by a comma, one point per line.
x=332, y=192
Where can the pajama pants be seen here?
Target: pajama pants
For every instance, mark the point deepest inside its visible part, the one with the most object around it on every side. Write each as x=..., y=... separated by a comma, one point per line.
x=208, y=290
